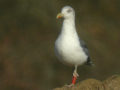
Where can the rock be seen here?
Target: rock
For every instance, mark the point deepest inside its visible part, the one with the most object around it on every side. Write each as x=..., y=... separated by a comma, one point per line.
x=89, y=84
x=112, y=83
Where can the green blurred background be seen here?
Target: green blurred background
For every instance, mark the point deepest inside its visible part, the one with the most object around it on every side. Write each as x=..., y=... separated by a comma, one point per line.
x=28, y=30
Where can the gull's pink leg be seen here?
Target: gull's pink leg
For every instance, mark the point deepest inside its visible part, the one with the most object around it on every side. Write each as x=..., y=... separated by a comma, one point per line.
x=75, y=75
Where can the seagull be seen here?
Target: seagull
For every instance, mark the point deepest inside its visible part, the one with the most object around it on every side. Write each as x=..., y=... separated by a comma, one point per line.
x=69, y=48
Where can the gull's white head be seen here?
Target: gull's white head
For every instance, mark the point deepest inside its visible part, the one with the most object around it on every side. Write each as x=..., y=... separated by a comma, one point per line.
x=66, y=12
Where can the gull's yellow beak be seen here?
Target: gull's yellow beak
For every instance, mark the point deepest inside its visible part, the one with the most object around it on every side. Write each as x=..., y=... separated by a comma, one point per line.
x=59, y=15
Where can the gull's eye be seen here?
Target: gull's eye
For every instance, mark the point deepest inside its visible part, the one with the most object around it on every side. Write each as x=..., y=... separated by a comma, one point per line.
x=69, y=10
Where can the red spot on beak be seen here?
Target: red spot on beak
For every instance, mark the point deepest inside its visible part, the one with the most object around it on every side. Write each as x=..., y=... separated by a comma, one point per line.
x=59, y=17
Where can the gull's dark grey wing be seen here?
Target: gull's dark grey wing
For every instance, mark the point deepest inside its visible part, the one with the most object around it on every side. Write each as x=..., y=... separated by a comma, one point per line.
x=84, y=46
x=85, y=49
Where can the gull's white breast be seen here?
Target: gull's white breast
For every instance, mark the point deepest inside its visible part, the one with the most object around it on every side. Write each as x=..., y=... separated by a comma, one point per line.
x=68, y=49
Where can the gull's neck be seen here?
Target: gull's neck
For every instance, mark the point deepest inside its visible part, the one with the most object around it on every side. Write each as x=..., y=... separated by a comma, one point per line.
x=68, y=26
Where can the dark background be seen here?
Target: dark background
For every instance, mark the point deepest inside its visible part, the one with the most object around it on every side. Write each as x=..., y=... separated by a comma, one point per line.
x=28, y=30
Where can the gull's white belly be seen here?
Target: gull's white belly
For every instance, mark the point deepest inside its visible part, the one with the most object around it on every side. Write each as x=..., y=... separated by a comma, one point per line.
x=70, y=52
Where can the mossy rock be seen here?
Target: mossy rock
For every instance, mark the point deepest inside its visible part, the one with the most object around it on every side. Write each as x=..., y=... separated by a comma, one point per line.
x=89, y=84
x=112, y=83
